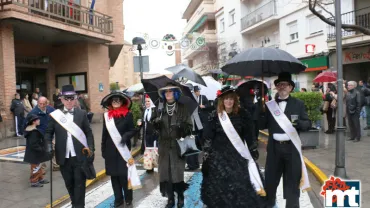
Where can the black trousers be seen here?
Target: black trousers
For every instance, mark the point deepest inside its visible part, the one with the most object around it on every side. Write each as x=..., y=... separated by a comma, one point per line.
x=75, y=181
x=120, y=183
x=284, y=161
x=331, y=119
x=19, y=120
x=354, y=125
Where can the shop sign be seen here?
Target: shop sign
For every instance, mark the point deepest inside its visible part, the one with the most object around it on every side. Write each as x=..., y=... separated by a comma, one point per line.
x=356, y=55
x=316, y=63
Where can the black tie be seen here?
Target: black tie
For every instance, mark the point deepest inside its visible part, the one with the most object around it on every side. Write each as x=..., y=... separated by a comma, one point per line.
x=68, y=111
x=281, y=100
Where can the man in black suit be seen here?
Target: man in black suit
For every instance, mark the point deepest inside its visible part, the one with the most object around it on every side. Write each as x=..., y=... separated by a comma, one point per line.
x=283, y=157
x=70, y=152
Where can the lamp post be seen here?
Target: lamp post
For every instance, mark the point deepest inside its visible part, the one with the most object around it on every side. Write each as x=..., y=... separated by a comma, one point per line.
x=139, y=41
x=340, y=169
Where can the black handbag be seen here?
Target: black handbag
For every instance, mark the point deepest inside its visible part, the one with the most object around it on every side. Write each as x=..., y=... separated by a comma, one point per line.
x=187, y=146
x=88, y=169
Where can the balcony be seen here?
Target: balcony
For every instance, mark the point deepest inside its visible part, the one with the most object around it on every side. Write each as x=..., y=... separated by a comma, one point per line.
x=359, y=17
x=200, y=42
x=204, y=12
x=60, y=15
x=261, y=16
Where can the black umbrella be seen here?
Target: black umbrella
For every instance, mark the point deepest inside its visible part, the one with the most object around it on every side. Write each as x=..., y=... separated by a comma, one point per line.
x=182, y=70
x=262, y=62
x=218, y=71
x=255, y=85
x=152, y=86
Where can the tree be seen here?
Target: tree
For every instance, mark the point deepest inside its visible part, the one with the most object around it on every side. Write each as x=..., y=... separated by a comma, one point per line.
x=313, y=4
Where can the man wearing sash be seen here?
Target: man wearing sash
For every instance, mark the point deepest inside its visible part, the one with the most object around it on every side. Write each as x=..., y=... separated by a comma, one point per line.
x=285, y=117
x=74, y=144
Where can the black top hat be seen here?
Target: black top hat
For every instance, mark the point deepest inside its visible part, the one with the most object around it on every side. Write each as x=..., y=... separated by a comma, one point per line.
x=225, y=90
x=284, y=77
x=31, y=118
x=68, y=90
x=107, y=100
x=196, y=88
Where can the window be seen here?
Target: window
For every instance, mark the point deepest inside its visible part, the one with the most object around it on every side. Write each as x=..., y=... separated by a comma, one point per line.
x=222, y=25
x=232, y=17
x=78, y=80
x=293, y=31
x=315, y=25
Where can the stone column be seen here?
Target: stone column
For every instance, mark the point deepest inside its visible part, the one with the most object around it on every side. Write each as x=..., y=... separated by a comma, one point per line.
x=7, y=79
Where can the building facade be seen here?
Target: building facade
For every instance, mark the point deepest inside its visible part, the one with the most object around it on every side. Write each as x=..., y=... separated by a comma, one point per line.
x=47, y=44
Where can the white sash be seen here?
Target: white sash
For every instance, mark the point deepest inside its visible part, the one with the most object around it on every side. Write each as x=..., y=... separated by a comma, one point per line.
x=243, y=150
x=132, y=175
x=70, y=126
x=292, y=133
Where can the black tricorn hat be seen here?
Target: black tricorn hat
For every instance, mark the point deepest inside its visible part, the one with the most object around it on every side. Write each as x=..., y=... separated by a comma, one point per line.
x=285, y=77
x=225, y=90
x=68, y=90
x=31, y=118
x=107, y=100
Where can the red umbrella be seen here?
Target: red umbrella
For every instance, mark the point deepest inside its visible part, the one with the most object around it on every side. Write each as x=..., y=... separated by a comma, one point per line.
x=327, y=76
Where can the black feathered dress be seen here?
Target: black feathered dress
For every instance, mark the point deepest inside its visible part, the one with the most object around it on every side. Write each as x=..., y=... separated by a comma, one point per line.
x=226, y=180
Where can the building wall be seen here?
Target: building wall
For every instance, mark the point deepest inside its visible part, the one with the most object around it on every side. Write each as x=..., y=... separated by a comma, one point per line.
x=255, y=39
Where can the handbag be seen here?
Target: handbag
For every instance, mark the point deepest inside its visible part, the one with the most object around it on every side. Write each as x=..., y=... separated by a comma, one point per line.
x=88, y=169
x=151, y=157
x=333, y=104
x=187, y=146
x=325, y=107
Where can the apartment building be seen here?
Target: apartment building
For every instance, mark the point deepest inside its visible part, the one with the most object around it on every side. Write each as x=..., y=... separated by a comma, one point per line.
x=356, y=45
x=47, y=44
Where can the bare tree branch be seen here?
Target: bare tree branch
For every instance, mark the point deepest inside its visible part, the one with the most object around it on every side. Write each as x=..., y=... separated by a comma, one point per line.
x=322, y=7
x=347, y=27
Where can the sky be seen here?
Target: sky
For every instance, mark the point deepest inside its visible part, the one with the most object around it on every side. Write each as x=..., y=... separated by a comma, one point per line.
x=156, y=19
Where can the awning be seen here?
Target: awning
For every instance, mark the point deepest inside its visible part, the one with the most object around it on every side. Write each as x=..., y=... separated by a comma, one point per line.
x=114, y=51
x=199, y=23
x=316, y=64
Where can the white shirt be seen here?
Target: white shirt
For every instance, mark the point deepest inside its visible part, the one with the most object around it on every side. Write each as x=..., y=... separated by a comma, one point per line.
x=281, y=137
x=69, y=147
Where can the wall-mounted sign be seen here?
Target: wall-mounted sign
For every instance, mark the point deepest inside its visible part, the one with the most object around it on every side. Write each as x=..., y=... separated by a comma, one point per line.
x=356, y=55
x=310, y=48
x=32, y=60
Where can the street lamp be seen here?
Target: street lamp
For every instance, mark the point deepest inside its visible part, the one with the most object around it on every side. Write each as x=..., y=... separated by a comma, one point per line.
x=340, y=169
x=139, y=41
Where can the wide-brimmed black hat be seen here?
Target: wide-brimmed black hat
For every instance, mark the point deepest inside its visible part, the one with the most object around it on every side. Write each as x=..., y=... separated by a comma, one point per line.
x=68, y=90
x=225, y=90
x=285, y=77
x=196, y=88
x=168, y=87
x=31, y=118
x=107, y=100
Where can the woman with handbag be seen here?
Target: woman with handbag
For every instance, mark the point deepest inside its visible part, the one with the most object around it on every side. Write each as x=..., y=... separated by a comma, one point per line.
x=150, y=138
x=173, y=122
x=229, y=178
x=330, y=101
x=118, y=105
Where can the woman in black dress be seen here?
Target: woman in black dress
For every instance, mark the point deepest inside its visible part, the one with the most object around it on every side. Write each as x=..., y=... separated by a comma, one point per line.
x=226, y=179
x=118, y=105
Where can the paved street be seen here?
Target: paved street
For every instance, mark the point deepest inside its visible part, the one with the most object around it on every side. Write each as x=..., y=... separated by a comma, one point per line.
x=14, y=178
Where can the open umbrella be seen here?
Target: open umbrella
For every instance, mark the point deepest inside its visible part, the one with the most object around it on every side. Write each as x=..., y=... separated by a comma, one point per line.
x=327, y=76
x=182, y=70
x=136, y=88
x=262, y=62
x=245, y=88
x=212, y=86
x=218, y=71
x=152, y=86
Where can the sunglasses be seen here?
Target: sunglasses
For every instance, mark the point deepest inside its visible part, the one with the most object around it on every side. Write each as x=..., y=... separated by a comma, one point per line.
x=116, y=100
x=69, y=98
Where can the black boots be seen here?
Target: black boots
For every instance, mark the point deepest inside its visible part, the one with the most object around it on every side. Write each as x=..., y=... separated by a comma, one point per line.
x=180, y=200
x=170, y=203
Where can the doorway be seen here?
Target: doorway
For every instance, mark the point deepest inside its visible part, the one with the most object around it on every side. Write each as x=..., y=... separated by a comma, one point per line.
x=28, y=79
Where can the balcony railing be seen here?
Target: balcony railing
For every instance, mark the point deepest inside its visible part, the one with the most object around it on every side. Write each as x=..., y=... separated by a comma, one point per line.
x=64, y=11
x=359, y=17
x=258, y=15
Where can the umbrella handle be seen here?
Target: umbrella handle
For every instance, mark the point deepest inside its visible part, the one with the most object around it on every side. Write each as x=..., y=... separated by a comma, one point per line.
x=263, y=96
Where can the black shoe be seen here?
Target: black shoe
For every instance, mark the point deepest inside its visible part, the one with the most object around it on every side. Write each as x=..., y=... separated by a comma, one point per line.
x=44, y=181
x=150, y=171
x=170, y=203
x=356, y=140
x=180, y=201
x=118, y=204
x=367, y=128
x=350, y=139
x=128, y=202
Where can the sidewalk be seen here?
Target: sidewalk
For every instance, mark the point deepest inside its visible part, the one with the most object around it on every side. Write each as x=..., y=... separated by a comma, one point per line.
x=15, y=190
x=356, y=160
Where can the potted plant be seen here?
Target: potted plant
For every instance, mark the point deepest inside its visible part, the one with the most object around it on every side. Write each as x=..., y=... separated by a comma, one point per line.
x=312, y=102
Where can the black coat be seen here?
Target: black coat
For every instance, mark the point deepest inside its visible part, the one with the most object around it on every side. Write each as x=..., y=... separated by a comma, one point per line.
x=203, y=114
x=115, y=165
x=79, y=118
x=35, y=147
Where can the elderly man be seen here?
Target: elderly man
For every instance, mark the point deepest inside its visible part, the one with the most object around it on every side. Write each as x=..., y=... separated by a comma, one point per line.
x=286, y=117
x=353, y=101
x=74, y=145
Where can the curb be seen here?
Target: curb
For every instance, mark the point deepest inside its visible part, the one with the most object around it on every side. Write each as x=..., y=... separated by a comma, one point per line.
x=320, y=176
x=100, y=175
